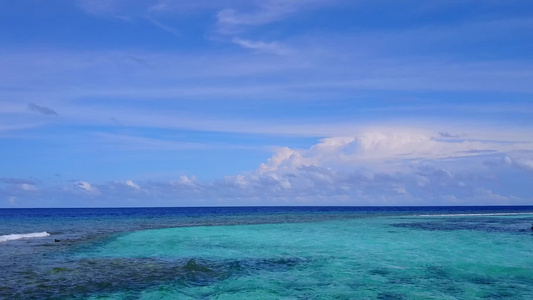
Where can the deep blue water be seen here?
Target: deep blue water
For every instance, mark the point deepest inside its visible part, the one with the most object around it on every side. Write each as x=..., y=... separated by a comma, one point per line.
x=267, y=253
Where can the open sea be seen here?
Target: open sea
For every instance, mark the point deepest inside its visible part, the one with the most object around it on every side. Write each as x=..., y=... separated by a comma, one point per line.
x=267, y=253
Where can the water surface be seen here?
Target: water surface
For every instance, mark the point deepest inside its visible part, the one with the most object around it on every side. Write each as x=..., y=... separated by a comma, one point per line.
x=268, y=253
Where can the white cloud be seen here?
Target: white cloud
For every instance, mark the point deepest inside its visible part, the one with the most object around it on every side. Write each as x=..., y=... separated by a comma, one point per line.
x=263, y=47
x=27, y=187
x=376, y=166
x=239, y=180
x=377, y=147
x=281, y=156
x=128, y=10
x=400, y=190
x=266, y=11
x=525, y=163
x=172, y=6
x=232, y=21
x=18, y=187
x=488, y=197
x=164, y=27
x=133, y=185
x=185, y=181
x=464, y=180
x=229, y=19
x=86, y=187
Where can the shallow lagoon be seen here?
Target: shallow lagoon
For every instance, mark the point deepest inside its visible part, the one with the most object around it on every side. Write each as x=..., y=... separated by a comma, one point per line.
x=342, y=254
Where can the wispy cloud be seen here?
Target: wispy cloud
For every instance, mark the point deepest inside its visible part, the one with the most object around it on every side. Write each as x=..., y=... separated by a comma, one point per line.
x=120, y=142
x=446, y=134
x=181, y=7
x=118, y=9
x=99, y=6
x=325, y=95
x=263, y=47
x=192, y=76
x=265, y=12
x=17, y=181
x=42, y=109
x=164, y=27
x=232, y=22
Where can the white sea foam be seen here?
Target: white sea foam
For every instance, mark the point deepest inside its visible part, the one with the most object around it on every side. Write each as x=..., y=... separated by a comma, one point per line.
x=10, y=237
x=486, y=214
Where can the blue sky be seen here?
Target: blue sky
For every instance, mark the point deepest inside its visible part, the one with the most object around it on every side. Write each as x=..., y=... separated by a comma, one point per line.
x=295, y=102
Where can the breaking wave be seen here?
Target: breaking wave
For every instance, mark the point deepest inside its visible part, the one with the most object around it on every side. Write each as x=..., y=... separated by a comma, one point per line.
x=10, y=237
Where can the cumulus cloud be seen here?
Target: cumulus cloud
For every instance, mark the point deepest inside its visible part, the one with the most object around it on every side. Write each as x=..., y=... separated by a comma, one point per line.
x=23, y=185
x=185, y=181
x=432, y=182
x=133, y=185
x=86, y=187
x=310, y=185
x=42, y=109
x=372, y=167
x=525, y=163
x=385, y=148
x=27, y=187
x=378, y=167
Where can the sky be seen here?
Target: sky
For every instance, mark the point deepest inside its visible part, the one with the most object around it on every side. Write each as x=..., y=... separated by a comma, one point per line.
x=119, y=103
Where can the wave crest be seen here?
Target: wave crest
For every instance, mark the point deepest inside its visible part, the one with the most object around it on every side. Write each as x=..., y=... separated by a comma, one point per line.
x=10, y=237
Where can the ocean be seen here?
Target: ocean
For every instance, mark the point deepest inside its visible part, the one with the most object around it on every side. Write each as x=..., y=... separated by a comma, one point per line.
x=267, y=253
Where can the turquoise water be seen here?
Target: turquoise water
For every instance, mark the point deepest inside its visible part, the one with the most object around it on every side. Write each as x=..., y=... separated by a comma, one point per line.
x=340, y=254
